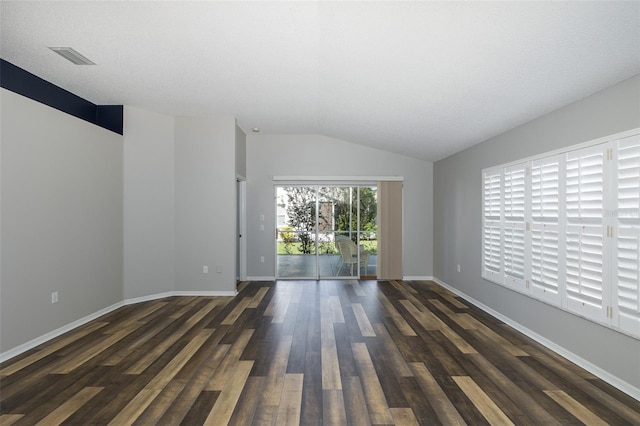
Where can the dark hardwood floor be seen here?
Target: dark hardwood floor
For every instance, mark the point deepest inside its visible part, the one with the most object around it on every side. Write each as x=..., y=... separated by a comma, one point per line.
x=304, y=352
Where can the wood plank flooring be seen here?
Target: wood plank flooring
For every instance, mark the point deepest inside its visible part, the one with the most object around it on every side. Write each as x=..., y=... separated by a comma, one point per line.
x=304, y=352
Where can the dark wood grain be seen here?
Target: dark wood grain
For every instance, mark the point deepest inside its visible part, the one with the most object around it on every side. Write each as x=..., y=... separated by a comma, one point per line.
x=304, y=352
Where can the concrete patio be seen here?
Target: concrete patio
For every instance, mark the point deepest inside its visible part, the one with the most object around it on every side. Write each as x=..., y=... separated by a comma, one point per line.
x=329, y=265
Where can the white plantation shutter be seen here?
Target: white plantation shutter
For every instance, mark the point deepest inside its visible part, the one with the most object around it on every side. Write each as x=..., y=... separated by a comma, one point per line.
x=545, y=228
x=585, y=231
x=565, y=228
x=491, y=232
x=514, y=225
x=626, y=297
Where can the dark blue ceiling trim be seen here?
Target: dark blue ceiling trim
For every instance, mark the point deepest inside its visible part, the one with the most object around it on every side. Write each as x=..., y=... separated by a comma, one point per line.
x=24, y=83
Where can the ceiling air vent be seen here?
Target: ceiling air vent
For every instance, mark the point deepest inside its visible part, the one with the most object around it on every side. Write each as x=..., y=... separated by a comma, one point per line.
x=71, y=55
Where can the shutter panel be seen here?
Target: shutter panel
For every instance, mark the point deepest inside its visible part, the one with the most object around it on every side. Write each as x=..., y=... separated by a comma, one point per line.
x=514, y=254
x=585, y=240
x=545, y=253
x=585, y=271
x=628, y=180
x=491, y=232
x=627, y=292
x=492, y=189
x=514, y=226
x=545, y=224
x=545, y=187
x=584, y=185
x=626, y=297
x=514, y=193
x=491, y=253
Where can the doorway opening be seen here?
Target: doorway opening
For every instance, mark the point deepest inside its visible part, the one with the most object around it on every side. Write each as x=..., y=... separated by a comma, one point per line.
x=326, y=231
x=241, y=224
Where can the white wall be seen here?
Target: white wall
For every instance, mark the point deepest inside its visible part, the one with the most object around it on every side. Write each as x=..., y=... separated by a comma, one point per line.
x=180, y=203
x=148, y=203
x=101, y=218
x=61, y=219
x=314, y=155
x=205, y=203
x=457, y=224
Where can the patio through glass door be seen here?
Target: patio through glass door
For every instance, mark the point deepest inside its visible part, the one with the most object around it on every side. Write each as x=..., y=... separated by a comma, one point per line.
x=326, y=231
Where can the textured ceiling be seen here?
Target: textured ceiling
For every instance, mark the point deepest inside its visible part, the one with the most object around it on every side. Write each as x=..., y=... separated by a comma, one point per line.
x=424, y=79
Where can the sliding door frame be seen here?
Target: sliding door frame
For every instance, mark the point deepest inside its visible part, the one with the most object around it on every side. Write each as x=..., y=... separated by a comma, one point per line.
x=316, y=186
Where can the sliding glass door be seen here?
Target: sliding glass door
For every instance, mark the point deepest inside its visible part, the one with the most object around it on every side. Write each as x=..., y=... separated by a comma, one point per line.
x=326, y=231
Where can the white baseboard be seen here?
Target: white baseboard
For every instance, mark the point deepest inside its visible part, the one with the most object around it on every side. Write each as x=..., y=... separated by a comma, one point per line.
x=148, y=298
x=57, y=332
x=272, y=278
x=417, y=278
x=206, y=293
x=178, y=293
x=69, y=327
x=615, y=381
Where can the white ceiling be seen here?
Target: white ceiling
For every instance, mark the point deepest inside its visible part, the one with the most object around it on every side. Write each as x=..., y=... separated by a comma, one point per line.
x=424, y=79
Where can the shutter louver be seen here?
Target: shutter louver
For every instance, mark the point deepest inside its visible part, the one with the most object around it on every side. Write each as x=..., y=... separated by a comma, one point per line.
x=545, y=181
x=514, y=225
x=545, y=236
x=584, y=185
x=628, y=279
x=491, y=233
x=492, y=191
x=628, y=178
x=492, y=248
x=585, y=230
x=584, y=271
x=514, y=252
x=627, y=244
x=514, y=192
x=544, y=263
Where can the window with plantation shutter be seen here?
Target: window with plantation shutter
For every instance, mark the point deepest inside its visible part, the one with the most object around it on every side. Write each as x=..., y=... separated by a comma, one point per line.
x=545, y=225
x=491, y=233
x=514, y=225
x=626, y=297
x=564, y=228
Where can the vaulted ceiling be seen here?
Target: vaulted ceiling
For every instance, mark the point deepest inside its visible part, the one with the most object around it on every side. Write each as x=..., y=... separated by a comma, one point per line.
x=424, y=79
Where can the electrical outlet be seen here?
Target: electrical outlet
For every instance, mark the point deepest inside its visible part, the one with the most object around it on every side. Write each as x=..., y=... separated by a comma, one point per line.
x=54, y=297
x=205, y=269
x=261, y=218
x=458, y=268
x=262, y=259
